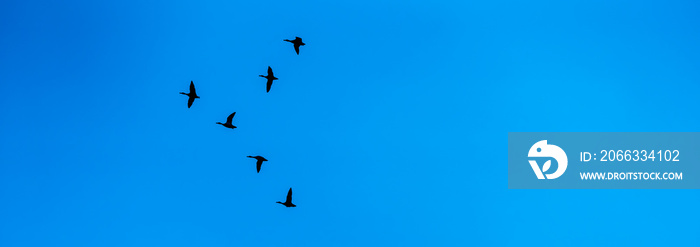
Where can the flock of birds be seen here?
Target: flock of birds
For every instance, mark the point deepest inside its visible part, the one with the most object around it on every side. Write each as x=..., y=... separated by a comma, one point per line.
x=192, y=95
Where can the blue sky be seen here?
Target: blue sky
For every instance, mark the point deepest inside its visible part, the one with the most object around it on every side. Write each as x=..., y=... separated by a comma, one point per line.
x=391, y=126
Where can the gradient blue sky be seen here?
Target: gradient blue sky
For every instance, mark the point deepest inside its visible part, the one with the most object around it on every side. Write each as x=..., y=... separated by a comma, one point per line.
x=391, y=126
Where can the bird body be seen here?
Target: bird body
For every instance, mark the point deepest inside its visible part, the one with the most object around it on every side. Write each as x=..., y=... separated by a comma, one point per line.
x=192, y=95
x=297, y=42
x=288, y=203
x=228, y=124
x=270, y=77
x=259, y=162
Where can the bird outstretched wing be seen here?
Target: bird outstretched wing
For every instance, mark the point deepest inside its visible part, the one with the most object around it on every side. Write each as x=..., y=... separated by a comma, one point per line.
x=269, y=71
x=192, y=91
x=230, y=117
x=259, y=164
x=189, y=102
x=289, y=195
x=269, y=84
x=296, y=48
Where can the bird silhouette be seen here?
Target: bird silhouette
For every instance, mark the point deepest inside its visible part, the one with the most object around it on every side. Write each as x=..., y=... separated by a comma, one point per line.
x=288, y=203
x=228, y=124
x=259, y=162
x=297, y=42
x=270, y=77
x=192, y=95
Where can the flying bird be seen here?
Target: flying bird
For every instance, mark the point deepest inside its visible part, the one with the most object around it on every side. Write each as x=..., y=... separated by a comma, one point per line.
x=228, y=124
x=259, y=162
x=192, y=95
x=270, y=77
x=297, y=42
x=288, y=203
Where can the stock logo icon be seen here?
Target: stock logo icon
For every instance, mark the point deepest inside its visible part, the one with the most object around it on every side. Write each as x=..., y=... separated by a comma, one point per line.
x=543, y=150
